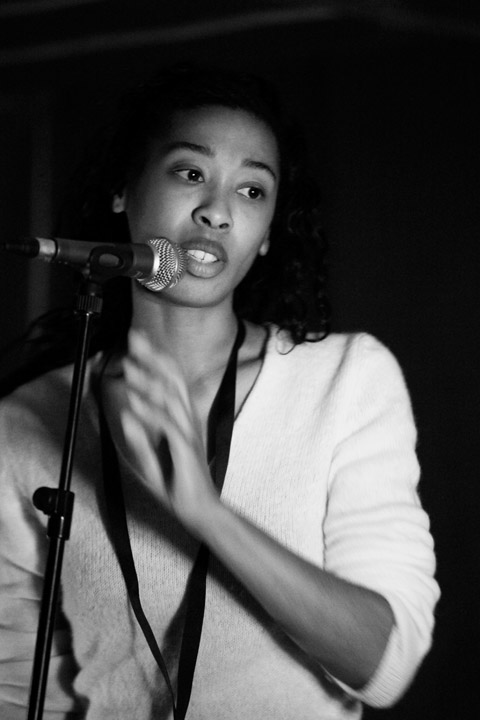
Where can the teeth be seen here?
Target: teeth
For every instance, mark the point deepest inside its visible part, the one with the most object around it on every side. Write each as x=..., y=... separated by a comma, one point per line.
x=202, y=256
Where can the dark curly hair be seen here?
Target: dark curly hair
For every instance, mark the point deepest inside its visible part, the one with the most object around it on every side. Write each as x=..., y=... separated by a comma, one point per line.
x=287, y=287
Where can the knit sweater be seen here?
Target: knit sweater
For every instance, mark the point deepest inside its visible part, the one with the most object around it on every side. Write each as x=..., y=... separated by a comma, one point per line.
x=322, y=458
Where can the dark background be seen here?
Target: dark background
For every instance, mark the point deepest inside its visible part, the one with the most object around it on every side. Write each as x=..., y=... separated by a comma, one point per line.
x=388, y=94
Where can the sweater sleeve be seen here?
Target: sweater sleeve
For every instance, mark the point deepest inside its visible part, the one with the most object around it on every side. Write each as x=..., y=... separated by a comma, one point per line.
x=23, y=549
x=376, y=532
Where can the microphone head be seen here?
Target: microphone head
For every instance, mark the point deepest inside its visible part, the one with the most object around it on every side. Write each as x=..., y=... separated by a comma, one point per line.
x=169, y=266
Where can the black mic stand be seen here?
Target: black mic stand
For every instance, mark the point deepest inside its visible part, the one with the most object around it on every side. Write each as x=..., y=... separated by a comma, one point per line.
x=58, y=503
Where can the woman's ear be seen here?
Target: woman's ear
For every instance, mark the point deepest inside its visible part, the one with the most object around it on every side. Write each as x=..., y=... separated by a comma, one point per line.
x=119, y=202
x=265, y=246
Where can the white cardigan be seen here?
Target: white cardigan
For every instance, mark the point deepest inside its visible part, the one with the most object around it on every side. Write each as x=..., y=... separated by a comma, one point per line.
x=322, y=458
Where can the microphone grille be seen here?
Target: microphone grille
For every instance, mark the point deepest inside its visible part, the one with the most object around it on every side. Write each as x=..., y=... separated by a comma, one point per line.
x=170, y=265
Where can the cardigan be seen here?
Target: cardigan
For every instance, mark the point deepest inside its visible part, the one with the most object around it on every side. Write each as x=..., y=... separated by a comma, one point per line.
x=322, y=458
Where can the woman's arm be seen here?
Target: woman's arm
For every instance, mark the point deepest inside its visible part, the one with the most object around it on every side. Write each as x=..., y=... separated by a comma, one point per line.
x=344, y=626
x=367, y=617
x=23, y=550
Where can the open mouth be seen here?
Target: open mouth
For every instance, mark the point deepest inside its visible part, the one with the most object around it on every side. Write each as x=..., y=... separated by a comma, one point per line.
x=201, y=256
x=205, y=258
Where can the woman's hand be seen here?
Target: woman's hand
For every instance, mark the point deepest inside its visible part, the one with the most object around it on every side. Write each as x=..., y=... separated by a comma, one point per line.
x=163, y=432
x=342, y=626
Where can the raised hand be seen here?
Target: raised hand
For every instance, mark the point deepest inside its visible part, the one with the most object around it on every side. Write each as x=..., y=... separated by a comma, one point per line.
x=163, y=432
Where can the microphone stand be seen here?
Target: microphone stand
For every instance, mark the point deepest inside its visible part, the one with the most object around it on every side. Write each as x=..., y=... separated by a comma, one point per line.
x=58, y=503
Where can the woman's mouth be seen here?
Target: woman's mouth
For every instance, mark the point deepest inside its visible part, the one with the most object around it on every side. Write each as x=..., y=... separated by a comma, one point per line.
x=205, y=258
x=201, y=256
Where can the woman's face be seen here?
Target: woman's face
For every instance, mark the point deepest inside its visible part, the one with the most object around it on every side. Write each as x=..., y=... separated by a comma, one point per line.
x=210, y=185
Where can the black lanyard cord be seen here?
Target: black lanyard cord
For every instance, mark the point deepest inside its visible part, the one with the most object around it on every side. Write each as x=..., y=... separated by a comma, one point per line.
x=118, y=531
x=220, y=427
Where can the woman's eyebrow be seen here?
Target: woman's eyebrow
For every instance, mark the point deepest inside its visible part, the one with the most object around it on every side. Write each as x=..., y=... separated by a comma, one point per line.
x=195, y=147
x=208, y=152
x=259, y=165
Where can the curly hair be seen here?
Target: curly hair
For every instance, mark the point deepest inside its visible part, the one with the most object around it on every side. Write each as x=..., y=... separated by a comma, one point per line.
x=287, y=287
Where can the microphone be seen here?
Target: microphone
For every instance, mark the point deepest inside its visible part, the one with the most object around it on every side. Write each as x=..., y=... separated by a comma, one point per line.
x=158, y=264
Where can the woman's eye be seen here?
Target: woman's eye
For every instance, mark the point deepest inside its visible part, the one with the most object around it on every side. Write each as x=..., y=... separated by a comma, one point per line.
x=252, y=192
x=190, y=175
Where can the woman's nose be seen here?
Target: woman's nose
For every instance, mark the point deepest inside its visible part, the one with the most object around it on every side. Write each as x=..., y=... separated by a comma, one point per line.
x=214, y=212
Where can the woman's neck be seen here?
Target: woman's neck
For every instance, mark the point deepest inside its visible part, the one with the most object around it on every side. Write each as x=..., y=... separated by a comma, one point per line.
x=199, y=339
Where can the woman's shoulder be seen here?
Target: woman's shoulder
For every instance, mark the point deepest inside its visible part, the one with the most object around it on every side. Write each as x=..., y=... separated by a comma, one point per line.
x=47, y=394
x=339, y=345
x=338, y=355
x=21, y=393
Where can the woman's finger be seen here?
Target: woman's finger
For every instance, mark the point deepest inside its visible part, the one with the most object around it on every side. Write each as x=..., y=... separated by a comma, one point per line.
x=159, y=382
x=141, y=447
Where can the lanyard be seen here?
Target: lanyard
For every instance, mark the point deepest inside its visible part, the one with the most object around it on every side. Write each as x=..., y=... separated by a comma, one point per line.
x=220, y=427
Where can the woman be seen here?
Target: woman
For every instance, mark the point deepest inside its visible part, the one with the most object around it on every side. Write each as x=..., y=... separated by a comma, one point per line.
x=313, y=562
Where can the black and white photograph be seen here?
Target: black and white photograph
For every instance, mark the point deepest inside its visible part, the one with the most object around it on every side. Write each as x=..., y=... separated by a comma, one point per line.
x=239, y=360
